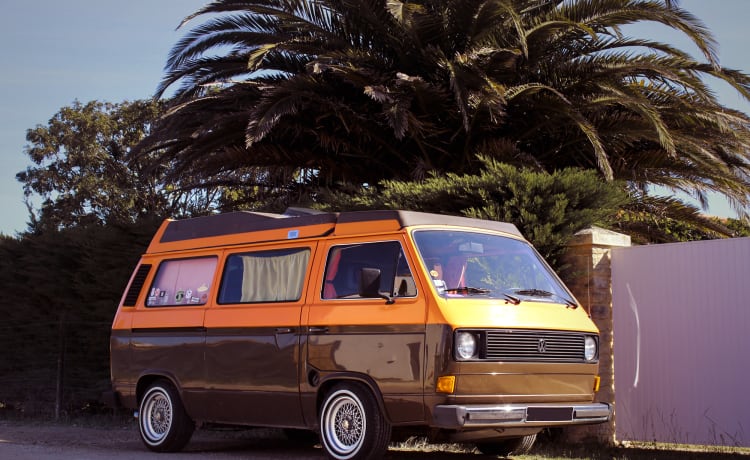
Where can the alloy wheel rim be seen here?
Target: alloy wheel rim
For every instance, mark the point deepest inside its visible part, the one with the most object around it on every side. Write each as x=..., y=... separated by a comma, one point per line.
x=345, y=425
x=158, y=417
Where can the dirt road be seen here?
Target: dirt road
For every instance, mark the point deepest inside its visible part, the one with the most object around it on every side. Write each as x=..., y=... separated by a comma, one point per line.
x=40, y=441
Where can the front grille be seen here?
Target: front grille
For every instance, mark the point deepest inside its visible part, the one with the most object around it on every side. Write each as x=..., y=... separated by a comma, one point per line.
x=534, y=346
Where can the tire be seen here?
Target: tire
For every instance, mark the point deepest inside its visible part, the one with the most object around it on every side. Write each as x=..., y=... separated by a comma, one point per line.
x=163, y=423
x=352, y=427
x=504, y=448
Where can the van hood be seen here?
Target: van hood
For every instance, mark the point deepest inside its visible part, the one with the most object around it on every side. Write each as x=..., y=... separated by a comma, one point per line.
x=528, y=314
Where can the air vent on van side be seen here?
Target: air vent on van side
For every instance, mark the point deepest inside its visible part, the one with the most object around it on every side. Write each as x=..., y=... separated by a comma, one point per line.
x=135, y=287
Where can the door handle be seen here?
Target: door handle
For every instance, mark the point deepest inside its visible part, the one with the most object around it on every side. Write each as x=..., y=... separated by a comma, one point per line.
x=318, y=329
x=284, y=330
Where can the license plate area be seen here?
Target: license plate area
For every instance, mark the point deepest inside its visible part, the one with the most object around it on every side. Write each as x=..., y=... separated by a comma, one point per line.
x=549, y=414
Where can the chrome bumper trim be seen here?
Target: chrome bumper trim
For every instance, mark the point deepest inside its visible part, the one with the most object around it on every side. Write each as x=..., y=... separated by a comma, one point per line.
x=519, y=415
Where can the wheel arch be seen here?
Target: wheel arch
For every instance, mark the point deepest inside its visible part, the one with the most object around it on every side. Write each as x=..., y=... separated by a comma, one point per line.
x=330, y=381
x=148, y=378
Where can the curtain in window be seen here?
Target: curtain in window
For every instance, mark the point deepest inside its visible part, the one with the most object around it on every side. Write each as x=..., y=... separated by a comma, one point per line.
x=329, y=290
x=270, y=278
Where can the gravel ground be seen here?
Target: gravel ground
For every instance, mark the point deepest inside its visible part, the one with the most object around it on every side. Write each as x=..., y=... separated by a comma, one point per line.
x=33, y=440
x=21, y=440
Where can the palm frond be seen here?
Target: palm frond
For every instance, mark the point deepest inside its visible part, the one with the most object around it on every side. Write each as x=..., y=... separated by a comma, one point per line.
x=354, y=89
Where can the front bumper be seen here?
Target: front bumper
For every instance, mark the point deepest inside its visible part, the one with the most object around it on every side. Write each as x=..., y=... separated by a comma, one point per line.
x=519, y=415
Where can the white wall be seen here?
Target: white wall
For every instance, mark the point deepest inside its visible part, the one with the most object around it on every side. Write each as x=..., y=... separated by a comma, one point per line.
x=682, y=342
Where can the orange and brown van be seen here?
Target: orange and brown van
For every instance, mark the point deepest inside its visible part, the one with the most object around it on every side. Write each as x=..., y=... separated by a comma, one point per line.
x=358, y=326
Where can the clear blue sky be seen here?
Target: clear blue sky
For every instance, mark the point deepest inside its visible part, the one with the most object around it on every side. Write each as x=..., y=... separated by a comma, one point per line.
x=57, y=51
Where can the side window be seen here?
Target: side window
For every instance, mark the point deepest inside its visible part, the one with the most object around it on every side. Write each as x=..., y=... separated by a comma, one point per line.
x=345, y=263
x=264, y=276
x=182, y=282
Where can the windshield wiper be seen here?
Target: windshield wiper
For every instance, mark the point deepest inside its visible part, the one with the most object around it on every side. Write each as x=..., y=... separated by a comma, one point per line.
x=533, y=292
x=543, y=293
x=469, y=290
x=509, y=298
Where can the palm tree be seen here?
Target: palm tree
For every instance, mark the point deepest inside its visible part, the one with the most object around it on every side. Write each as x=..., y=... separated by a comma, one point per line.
x=364, y=90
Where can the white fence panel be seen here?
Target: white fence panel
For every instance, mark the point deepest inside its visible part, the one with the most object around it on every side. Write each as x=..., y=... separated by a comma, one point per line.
x=682, y=342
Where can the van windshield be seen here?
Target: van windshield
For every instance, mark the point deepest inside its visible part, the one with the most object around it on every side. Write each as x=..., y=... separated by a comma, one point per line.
x=466, y=264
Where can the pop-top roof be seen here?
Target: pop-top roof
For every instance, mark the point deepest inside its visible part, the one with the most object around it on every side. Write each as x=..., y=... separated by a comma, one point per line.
x=238, y=222
x=302, y=223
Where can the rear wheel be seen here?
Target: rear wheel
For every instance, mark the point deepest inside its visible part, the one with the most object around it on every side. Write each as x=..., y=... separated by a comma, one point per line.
x=164, y=425
x=506, y=447
x=352, y=426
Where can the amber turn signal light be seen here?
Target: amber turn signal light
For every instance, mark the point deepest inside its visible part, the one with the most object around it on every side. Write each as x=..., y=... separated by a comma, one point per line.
x=446, y=384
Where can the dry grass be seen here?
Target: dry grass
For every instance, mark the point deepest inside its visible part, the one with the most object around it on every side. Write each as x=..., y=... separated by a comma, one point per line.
x=417, y=444
x=625, y=451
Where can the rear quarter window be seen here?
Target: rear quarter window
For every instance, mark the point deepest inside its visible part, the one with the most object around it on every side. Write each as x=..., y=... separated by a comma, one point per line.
x=181, y=282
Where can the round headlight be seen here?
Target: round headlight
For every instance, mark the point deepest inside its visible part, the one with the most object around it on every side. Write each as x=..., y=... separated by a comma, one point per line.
x=466, y=345
x=589, y=348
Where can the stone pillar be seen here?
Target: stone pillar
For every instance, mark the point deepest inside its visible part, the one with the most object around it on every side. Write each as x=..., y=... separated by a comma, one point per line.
x=590, y=278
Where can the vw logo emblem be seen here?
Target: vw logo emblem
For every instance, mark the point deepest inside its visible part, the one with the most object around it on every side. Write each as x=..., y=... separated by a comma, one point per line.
x=541, y=346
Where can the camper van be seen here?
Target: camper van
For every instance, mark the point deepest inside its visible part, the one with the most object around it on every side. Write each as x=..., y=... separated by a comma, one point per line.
x=358, y=327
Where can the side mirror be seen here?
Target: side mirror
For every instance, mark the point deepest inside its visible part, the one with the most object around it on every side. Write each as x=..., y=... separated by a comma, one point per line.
x=369, y=284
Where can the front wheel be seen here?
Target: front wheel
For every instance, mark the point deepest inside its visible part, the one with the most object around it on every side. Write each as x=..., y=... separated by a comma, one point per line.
x=163, y=422
x=352, y=426
x=513, y=446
